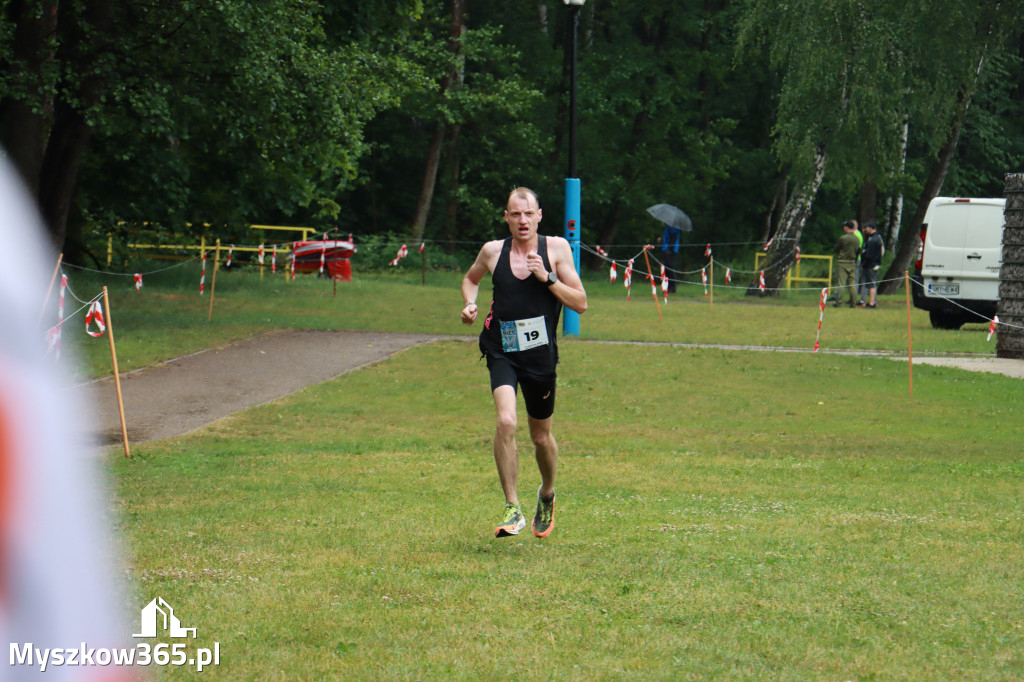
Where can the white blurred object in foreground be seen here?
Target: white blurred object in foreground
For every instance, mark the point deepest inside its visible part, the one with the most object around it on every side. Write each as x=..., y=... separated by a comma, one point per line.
x=57, y=580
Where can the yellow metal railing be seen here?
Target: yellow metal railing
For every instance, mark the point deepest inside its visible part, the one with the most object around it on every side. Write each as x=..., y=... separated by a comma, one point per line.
x=793, y=275
x=202, y=247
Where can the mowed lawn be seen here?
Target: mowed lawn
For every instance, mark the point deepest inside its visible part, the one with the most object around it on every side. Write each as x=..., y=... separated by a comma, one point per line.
x=721, y=514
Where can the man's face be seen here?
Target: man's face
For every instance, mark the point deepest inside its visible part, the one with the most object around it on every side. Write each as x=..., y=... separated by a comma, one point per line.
x=523, y=216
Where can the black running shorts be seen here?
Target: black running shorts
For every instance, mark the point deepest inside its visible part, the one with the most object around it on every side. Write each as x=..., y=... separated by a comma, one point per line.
x=538, y=393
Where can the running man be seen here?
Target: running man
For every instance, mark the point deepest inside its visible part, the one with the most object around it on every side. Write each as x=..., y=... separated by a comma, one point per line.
x=533, y=277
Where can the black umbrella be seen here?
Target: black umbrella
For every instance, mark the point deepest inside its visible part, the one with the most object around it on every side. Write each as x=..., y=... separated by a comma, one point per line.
x=670, y=215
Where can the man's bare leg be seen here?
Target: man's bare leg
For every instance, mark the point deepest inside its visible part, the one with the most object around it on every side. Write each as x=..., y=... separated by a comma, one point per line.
x=546, y=450
x=506, y=453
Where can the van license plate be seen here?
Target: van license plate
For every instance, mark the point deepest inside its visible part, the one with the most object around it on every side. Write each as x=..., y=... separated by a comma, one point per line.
x=945, y=289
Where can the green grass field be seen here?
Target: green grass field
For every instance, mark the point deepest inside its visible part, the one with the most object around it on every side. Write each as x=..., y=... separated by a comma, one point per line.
x=721, y=513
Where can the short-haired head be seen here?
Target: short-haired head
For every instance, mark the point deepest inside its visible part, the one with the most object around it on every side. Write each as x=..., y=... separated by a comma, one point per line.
x=524, y=192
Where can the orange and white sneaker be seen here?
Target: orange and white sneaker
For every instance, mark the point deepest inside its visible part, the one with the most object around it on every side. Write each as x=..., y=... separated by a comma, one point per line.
x=512, y=521
x=544, y=518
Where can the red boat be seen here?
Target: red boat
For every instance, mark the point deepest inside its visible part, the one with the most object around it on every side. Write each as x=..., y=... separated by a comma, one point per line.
x=333, y=254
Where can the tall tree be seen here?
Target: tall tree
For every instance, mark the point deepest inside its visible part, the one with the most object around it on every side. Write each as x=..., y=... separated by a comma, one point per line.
x=267, y=118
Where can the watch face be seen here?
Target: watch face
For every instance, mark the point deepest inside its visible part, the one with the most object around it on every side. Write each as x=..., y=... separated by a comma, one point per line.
x=552, y=278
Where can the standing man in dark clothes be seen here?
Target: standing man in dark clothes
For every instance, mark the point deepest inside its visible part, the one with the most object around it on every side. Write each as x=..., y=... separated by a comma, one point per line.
x=533, y=277
x=870, y=261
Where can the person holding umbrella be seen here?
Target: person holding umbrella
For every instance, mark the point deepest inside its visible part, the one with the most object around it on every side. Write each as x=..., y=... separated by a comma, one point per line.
x=676, y=222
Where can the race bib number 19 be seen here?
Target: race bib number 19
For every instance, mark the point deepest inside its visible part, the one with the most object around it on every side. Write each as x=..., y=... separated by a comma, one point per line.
x=520, y=335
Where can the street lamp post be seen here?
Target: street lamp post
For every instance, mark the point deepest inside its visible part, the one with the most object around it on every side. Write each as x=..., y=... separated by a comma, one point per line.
x=570, y=318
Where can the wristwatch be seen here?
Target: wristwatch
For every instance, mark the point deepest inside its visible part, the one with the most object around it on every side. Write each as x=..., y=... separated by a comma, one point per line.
x=552, y=278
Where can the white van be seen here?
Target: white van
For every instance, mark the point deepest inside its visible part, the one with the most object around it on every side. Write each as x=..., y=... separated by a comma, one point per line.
x=956, y=277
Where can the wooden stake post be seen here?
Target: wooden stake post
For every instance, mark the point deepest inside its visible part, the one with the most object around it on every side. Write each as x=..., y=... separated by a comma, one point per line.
x=213, y=280
x=117, y=376
x=910, y=346
x=712, y=279
x=50, y=290
x=650, y=278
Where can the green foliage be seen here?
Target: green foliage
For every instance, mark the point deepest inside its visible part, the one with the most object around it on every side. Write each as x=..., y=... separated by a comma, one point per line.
x=311, y=112
x=262, y=124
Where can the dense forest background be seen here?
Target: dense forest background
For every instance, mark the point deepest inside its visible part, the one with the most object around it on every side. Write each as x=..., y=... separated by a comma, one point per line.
x=402, y=120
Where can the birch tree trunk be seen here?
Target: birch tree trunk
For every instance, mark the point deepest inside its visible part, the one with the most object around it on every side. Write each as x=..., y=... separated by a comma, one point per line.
x=782, y=253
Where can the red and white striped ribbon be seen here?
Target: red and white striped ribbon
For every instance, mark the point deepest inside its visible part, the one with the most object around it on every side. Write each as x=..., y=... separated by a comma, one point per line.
x=95, y=313
x=423, y=245
x=260, y=254
x=600, y=251
x=292, y=272
x=704, y=279
x=402, y=253
x=202, y=277
x=707, y=251
x=992, y=328
x=769, y=244
x=798, y=254
x=627, y=279
x=273, y=260
x=728, y=275
x=760, y=281
x=612, y=274
x=323, y=253
x=821, y=315
x=137, y=277
x=231, y=252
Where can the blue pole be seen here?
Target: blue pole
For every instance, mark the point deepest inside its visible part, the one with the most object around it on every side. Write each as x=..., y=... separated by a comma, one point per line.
x=571, y=318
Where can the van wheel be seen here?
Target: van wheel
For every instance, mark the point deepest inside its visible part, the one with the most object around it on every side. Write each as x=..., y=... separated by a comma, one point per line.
x=943, y=320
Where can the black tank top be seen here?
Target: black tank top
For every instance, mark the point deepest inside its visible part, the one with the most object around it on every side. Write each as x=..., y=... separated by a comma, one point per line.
x=520, y=299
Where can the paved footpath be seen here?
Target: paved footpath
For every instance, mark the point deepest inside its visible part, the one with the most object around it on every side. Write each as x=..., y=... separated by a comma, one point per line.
x=187, y=393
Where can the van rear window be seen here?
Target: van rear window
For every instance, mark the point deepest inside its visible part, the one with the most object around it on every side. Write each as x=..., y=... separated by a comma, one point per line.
x=947, y=229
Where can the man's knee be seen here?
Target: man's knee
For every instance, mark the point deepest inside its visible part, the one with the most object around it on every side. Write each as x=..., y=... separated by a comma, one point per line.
x=540, y=432
x=506, y=423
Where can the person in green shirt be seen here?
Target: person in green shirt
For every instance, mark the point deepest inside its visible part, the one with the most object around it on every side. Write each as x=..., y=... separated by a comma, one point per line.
x=847, y=249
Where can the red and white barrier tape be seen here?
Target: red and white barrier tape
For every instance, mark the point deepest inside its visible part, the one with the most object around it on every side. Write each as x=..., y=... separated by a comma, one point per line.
x=627, y=279
x=402, y=253
x=821, y=316
x=202, y=277
x=95, y=313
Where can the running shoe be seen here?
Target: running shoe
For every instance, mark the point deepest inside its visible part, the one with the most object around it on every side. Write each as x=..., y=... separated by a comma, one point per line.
x=544, y=519
x=512, y=522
